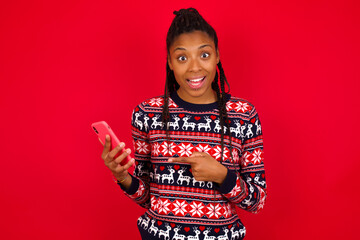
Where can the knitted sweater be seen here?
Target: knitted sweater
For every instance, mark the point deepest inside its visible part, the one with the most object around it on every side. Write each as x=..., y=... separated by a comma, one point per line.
x=178, y=206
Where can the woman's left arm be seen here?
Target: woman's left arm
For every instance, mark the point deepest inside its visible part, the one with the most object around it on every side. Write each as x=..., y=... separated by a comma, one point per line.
x=247, y=189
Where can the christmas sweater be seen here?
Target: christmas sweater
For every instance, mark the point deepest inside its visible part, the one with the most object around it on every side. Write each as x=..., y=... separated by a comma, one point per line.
x=178, y=206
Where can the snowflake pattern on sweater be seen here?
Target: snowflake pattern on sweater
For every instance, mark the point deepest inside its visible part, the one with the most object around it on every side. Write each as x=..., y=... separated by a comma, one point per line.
x=178, y=206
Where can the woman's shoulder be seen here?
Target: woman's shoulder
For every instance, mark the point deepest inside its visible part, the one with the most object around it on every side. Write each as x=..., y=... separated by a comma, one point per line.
x=239, y=105
x=153, y=102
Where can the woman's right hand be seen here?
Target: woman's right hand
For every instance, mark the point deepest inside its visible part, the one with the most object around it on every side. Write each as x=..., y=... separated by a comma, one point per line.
x=120, y=172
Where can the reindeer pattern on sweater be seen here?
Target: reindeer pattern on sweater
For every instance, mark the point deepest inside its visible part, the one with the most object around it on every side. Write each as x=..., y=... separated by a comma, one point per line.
x=178, y=206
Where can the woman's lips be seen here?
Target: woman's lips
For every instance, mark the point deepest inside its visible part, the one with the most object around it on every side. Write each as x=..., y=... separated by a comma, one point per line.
x=196, y=83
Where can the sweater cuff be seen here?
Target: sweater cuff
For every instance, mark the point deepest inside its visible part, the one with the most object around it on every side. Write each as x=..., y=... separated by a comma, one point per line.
x=133, y=187
x=228, y=184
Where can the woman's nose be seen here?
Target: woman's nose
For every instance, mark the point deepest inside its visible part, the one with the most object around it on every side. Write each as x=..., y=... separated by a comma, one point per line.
x=195, y=65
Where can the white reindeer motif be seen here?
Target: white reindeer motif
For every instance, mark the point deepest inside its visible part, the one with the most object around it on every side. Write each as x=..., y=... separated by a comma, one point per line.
x=153, y=228
x=137, y=122
x=182, y=178
x=209, y=184
x=196, y=237
x=243, y=127
x=262, y=199
x=247, y=202
x=217, y=127
x=201, y=183
x=256, y=180
x=251, y=188
x=139, y=167
x=157, y=176
x=151, y=175
x=155, y=123
x=145, y=222
x=206, y=125
x=234, y=234
x=242, y=232
x=206, y=232
x=237, y=129
x=225, y=236
x=140, y=219
x=248, y=180
x=175, y=124
x=186, y=124
x=166, y=233
x=169, y=177
x=146, y=125
x=258, y=127
x=249, y=133
x=178, y=236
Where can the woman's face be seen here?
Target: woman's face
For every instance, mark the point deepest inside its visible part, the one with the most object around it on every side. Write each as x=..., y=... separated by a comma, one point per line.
x=193, y=58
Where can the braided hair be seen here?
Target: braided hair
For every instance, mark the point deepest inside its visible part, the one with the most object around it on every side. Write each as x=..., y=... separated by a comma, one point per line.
x=187, y=21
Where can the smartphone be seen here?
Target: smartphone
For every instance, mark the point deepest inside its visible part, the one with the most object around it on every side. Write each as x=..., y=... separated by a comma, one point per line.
x=102, y=129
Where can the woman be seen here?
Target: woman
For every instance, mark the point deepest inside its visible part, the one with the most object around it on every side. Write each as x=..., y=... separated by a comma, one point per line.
x=198, y=150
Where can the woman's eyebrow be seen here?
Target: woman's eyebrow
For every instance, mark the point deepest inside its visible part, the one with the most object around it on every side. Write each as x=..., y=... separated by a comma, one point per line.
x=205, y=45
x=202, y=46
x=179, y=48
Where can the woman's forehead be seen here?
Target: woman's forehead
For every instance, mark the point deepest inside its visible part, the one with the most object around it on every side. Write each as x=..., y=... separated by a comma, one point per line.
x=191, y=40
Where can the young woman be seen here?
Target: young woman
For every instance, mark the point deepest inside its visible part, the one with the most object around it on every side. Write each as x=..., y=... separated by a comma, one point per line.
x=198, y=150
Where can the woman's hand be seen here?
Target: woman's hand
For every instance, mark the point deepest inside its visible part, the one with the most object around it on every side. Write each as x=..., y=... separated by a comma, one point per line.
x=120, y=172
x=204, y=167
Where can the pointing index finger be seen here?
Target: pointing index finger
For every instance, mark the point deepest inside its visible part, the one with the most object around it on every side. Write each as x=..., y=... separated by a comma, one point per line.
x=180, y=160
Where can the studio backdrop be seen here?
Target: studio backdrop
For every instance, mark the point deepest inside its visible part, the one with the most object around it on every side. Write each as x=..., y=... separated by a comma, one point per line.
x=66, y=64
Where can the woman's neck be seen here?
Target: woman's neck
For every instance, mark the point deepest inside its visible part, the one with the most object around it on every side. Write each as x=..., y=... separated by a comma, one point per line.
x=204, y=99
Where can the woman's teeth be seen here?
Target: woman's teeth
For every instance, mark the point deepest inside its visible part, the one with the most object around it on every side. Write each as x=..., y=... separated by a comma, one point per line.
x=196, y=83
x=196, y=80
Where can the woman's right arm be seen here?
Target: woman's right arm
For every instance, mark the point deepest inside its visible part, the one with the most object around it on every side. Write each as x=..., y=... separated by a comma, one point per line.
x=120, y=172
x=137, y=185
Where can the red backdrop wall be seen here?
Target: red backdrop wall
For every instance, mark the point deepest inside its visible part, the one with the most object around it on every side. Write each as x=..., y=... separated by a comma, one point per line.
x=66, y=64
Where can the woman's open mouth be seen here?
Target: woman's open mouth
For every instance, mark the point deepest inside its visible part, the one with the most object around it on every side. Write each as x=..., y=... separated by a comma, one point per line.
x=196, y=83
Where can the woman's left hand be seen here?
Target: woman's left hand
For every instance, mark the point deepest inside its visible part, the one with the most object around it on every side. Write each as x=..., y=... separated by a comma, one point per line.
x=204, y=167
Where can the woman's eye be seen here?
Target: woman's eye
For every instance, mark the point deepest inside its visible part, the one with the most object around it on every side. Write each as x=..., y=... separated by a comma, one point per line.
x=182, y=58
x=205, y=55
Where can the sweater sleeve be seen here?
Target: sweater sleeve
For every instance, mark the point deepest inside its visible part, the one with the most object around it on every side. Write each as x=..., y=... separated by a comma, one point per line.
x=139, y=190
x=247, y=189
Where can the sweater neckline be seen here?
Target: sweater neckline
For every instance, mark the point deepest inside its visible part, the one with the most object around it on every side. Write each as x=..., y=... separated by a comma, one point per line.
x=193, y=106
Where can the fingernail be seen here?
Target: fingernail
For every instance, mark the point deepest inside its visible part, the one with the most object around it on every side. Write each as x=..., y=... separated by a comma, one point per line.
x=122, y=144
x=128, y=150
x=170, y=160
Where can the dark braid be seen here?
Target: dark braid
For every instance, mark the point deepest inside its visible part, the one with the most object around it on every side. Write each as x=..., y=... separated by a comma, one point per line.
x=221, y=96
x=222, y=107
x=187, y=21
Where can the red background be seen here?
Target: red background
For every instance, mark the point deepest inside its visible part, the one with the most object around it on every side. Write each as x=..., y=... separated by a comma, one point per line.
x=66, y=64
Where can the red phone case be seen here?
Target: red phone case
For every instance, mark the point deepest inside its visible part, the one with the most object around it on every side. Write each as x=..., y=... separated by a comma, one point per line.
x=102, y=129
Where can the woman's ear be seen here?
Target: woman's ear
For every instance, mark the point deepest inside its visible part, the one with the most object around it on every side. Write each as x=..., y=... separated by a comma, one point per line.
x=217, y=56
x=169, y=62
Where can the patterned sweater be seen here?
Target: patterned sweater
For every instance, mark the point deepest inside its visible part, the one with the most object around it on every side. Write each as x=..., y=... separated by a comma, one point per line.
x=178, y=206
